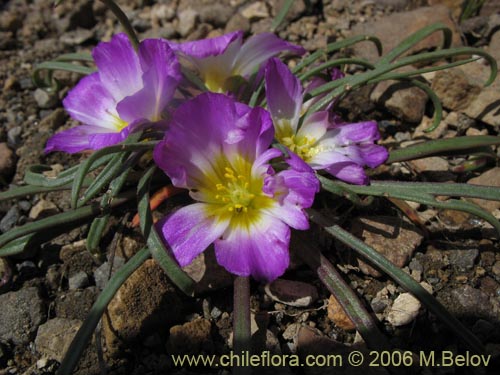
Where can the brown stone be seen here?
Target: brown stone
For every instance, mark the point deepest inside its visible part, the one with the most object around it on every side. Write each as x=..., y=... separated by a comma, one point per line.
x=454, y=89
x=147, y=302
x=338, y=316
x=190, y=338
x=405, y=23
x=488, y=178
x=393, y=237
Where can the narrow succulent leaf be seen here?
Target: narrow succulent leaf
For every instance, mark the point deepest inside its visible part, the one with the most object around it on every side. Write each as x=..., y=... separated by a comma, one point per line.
x=344, y=294
x=50, y=66
x=333, y=63
x=335, y=46
x=121, y=168
x=449, y=53
x=421, y=196
x=403, y=279
x=17, y=246
x=23, y=191
x=35, y=174
x=124, y=21
x=85, y=167
x=416, y=37
x=66, y=218
x=75, y=56
x=96, y=231
x=280, y=17
x=241, y=321
x=342, y=86
x=380, y=188
x=155, y=244
x=84, y=334
x=438, y=108
x=471, y=165
x=418, y=72
x=441, y=146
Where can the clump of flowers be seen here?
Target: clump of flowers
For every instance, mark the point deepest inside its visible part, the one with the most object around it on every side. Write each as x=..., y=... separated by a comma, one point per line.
x=218, y=148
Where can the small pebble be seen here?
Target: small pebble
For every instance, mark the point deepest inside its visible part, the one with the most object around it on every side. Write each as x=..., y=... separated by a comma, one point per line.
x=79, y=280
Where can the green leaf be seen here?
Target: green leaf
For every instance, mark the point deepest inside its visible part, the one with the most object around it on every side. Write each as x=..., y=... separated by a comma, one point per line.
x=280, y=17
x=336, y=46
x=155, y=244
x=441, y=147
x=333, y=63
x=415, y=38
x=84, y=334
x=424, y=193
x=344, y=294
x=96, y=231
x=403, y=279
x=72, y=217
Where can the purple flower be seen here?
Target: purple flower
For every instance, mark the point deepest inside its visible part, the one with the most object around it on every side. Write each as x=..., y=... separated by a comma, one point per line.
x=219, y=150
x=340, y=149
x=129, y=89
x=224, y=57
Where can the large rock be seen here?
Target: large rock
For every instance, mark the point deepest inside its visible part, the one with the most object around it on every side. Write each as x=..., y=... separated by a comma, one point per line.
x=191, y=338
x=488, y=178
x=21, y=314
x=394, y=238
x=454, y=89
x=405, y=23
x=55, y=336
x=146, y=303
x=402, y=99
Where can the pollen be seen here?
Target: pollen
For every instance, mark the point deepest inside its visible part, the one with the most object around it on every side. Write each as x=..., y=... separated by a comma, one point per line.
x=234, y=191
x=303, y=146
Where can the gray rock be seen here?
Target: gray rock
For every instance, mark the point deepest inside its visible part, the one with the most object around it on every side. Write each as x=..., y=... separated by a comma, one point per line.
x=79, y=280
x=207, y=273
x=293, y=293
x=463, y=259
x=21, y=314
x=215, y=14
x=14, y=135
x=465, y=301
x=55, y=336
x=75, y=304
x=77, y=37
x=101, y=274
x=10, y=219
x=45, y=99
x=187, y=21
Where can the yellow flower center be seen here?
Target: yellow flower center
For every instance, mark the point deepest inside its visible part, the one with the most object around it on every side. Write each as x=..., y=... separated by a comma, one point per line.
x=234, y=192
x=303, y=146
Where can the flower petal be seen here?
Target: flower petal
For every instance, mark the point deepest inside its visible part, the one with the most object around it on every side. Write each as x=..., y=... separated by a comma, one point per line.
x=208, y=47
x=349, y=172
x=118, y=66
x=258, y=49
x=260, y=250
x=366, y=131
x=91, y=103
x=160, y=79
x=190, y=230
x=72, y=140
x=204, y=128
x=283, y=93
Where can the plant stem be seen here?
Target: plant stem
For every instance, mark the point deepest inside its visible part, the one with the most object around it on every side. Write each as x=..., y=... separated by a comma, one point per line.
x=241, y=323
